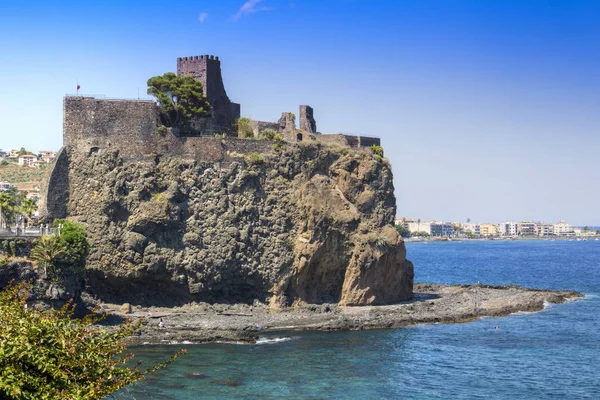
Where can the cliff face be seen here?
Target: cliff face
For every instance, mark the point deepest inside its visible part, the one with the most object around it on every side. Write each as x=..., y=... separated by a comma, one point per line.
x=308, y=223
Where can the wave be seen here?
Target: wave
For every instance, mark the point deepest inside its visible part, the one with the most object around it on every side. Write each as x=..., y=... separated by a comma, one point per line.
x=264, y=340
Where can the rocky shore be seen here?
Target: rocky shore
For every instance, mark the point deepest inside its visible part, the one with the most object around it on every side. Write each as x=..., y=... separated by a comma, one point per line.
x=241, y=323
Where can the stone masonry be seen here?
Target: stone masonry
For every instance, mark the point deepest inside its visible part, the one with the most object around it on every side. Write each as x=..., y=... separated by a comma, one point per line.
x=307, y=121
x=207, y=69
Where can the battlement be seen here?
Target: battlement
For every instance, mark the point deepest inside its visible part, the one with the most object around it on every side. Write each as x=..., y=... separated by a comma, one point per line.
x=197, y=58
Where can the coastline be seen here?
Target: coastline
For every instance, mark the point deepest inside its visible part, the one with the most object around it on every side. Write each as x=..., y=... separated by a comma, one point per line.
x=239, y=323
x=503, y=239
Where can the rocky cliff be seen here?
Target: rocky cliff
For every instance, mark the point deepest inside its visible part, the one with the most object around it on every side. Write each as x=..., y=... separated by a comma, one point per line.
x=308, y=223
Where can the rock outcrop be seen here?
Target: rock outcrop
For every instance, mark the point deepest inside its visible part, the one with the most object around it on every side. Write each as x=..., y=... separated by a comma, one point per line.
x=307, y=223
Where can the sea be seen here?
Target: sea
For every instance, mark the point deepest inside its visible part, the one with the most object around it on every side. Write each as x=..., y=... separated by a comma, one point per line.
x=550, y=354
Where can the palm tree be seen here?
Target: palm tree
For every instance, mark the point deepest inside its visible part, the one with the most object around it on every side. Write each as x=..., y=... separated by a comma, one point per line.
x=28, y=207
x=7, y=205
x=47, y=251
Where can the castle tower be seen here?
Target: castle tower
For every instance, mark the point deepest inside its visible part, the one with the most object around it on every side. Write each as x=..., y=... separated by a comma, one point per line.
x=207, y=69
x=307, y=120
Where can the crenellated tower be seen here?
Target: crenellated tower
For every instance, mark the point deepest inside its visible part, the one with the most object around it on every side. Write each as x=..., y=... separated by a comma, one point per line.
x=207, y=69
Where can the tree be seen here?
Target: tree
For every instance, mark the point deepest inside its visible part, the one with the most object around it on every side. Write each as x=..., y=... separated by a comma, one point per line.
x=180, y=98
x=7, y=207
x=405, y=233
x=74, y=239
x=47, y=253
x=28, y=207
x=22, y=151
x=49, y=355
x=244, y=130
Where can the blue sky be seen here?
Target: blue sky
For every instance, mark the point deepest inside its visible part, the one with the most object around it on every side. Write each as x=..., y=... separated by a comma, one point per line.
x=486, y=109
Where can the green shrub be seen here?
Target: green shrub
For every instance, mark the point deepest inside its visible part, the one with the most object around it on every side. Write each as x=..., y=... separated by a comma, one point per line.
x=277, y=141
x=74, y=239
x=268, y=134
x=377, y=150
x=244, y=130
x=255, y=158
x=161, y=130
x=49, y=355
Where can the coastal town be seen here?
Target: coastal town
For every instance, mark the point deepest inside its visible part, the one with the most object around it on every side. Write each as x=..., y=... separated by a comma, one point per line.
x=35, y=164
x=418, y=229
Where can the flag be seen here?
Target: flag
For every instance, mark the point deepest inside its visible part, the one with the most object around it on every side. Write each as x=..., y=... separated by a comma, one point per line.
x=78, y=87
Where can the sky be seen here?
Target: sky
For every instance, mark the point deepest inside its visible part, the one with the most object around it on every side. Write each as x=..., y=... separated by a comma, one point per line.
x=487, y=110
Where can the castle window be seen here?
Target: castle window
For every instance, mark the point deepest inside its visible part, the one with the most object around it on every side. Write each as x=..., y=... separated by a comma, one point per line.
x=299, y=137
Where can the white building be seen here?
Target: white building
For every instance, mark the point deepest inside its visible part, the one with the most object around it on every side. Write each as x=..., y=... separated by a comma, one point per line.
x=27, y=159
x=526, y=228
x=544, y=229
x=471, y=228
x=423, y=226
x=4, y=186
x=507, y=228
x=562, y=228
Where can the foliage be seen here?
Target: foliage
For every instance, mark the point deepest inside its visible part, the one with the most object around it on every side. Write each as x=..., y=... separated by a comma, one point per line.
x=48, y=355
x=180, y=98
x=4, y=163
x=405, y=233
x=382, y=243
x=255, y=158
x=28, y=207
x=268, y=134
x=47, y=253
x=74, y=239
x=377, y=150
x=244, y=130
x=421, y=234
x=277, y=142
x=8, y=204
x=14, y=173
x=22, y=151
x=161, y=130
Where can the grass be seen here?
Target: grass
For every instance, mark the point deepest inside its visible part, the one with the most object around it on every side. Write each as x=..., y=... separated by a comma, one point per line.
x=23, y=177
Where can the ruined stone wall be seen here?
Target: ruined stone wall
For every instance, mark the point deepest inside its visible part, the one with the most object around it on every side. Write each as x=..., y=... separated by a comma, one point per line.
x=368, y=141
x=307, y=120
x=259, y=126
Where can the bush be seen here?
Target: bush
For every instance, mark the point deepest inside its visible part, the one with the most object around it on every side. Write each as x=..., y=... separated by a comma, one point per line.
x=244, y=130
x=49, y=355
x=405, y=233
x=161, y=130
x=377, y=150
x=255, y=158
x=268, y=134
x=74, y=239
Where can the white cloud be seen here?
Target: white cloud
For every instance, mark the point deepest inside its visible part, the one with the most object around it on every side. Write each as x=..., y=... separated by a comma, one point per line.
x=249, y=7
x=202, y=17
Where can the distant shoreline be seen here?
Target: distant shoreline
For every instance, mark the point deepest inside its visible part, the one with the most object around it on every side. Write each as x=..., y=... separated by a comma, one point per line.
x=503, y=239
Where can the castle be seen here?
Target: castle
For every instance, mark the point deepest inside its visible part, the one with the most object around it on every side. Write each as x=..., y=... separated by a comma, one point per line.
x=92, y=125
x=125, y=122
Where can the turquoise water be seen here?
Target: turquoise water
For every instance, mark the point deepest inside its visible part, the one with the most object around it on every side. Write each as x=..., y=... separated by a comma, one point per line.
x=546, y=355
